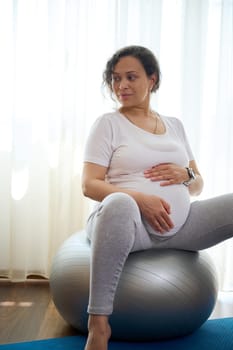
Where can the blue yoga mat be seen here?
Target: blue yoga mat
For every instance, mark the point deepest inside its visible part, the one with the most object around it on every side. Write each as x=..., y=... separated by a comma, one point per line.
x=213, y=335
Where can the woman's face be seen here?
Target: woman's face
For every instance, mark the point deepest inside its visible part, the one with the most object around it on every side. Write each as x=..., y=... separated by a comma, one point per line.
x=130, y=83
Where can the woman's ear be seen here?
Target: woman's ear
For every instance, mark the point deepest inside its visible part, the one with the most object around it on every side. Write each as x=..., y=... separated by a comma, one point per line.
x=153, y=79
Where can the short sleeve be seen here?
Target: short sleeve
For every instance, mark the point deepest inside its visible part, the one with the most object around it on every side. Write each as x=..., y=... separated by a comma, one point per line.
x=98, y=148
x=185, y=140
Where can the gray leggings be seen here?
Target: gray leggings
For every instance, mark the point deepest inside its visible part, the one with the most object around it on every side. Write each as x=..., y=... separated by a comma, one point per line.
x=116, y=229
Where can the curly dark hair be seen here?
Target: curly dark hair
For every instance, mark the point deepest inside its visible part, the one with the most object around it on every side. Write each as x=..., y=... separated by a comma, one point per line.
x=144, y=55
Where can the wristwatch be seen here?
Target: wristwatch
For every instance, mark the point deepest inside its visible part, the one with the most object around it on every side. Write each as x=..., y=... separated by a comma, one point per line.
x=191, y=175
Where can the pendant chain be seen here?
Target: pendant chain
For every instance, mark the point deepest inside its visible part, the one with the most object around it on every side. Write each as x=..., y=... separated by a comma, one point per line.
x=154, y=115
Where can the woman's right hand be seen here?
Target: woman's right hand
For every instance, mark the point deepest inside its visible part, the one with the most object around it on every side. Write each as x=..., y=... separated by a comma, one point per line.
x=156, y=211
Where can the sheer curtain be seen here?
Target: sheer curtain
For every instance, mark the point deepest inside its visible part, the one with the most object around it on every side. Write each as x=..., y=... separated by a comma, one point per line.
x=52, y=54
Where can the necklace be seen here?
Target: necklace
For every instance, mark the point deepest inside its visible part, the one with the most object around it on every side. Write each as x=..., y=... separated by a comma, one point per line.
x=154, y=115
x=156, y=122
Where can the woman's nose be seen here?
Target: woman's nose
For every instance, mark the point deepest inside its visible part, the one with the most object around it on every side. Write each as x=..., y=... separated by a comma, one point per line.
x=123, y=84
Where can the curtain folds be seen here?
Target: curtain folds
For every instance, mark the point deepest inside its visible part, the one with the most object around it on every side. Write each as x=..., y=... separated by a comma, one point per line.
x=52, y=55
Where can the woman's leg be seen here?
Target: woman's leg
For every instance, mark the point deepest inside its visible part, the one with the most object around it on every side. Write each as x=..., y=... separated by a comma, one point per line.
x=115, y=230
x=209, y=222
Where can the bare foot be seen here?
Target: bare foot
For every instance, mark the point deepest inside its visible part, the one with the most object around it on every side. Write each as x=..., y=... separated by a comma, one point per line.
x=99, y=333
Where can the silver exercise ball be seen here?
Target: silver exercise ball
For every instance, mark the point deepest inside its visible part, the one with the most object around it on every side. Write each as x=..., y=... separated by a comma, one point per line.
x=161, y=294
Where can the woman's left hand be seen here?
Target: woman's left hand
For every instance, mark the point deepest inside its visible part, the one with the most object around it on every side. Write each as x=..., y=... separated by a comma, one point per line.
x=167, y=174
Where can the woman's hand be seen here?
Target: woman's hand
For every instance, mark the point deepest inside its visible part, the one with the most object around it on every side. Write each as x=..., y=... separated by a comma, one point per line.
x=167, y=174
x=156, y=211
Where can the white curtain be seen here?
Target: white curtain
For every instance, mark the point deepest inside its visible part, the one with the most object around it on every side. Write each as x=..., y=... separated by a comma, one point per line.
x=52, y=54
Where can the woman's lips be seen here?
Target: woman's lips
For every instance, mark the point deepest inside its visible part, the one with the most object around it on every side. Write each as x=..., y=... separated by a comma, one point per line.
x=124, y=96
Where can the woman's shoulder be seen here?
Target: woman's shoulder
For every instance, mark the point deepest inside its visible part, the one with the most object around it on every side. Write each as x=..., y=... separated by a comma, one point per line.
x=105, y=124
x=173, y=122
x=174, y=125
x=171, y=119
x=107, y=118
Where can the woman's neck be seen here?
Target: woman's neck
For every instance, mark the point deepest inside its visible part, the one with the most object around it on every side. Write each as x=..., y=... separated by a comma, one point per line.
x=136, y=112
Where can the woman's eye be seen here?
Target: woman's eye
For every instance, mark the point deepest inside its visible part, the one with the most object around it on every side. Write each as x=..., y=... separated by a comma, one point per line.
x=131, y=77
x=116, y=79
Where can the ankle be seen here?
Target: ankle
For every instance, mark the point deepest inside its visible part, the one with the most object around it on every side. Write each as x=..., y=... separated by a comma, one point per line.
x=99, y=332
x=97, y=320
x=99, y=324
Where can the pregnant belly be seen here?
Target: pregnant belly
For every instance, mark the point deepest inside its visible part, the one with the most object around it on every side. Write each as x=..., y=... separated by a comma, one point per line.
x=177, y=196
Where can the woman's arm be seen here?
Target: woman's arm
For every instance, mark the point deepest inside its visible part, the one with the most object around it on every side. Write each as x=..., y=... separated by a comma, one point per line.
x=94, y=185
x=196, y=187
x=153, y=208
x=170, y=174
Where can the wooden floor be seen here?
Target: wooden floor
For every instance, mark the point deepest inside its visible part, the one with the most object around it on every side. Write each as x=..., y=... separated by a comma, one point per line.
x=27, y=312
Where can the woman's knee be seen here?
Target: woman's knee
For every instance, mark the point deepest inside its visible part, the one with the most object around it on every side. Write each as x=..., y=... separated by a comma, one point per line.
x=119, y=204
x=116, y=218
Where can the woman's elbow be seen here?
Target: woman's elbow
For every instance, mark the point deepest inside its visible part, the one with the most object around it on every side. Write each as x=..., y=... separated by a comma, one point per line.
x=197, y=187
x=85, y=188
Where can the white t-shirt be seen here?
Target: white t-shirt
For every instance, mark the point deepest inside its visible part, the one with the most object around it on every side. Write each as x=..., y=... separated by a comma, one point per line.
x=127, y=150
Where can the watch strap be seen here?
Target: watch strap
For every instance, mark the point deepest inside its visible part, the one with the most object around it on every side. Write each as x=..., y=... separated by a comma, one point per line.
x=191, y=175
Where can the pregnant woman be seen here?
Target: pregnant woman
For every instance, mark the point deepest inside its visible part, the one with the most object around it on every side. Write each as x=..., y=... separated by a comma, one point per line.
x=140, y=170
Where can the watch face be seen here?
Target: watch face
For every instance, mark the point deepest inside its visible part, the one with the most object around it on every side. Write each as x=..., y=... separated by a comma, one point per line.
x=191, y=173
